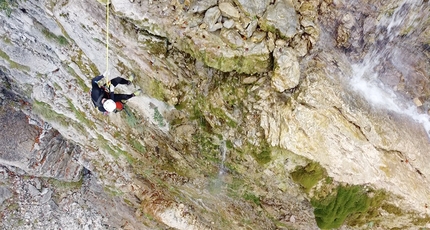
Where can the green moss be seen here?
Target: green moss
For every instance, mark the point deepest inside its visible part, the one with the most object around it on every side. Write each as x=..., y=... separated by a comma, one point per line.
x=81, y=116
x=229, y=144
x=85, y=65
x=156, y=89
x=6, y=6
x=159, y=118
x=49, y=114
x=137, y=145
x=390, y=208
x=65, y=184
x=45, y=110
x=309, y=175
x=332, y=211
x=115, y=151
x=128, y=157
x=220, y=114
x=113, y=191
x=261, y=154
x=251, y=197
x=421, y=221
x=155, y=45
x=128, y=202
x=7, y=40
x=376, y=202
x=13, y=65
x=130, y=118
x=59, y=39
x=79, y=80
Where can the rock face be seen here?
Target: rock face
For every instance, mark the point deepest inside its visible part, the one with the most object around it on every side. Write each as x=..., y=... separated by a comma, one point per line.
x=254, y=114
x=38, y=150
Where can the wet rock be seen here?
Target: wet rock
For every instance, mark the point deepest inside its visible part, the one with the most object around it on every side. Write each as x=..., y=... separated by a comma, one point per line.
x=281, y=17
x=286, y=71
x=342, y=38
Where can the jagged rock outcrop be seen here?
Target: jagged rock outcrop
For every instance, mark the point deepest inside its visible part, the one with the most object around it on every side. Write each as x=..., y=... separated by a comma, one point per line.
x=236, y=99
x=37, y=148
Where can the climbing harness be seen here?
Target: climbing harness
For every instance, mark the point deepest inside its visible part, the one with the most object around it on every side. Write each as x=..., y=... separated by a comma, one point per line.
x=107, y=42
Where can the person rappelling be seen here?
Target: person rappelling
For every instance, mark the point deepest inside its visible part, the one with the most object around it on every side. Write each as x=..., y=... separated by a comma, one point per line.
x=104, y=97
x=102, y=92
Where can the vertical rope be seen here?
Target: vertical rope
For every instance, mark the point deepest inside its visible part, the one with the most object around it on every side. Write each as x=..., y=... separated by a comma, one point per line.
x=107, y=41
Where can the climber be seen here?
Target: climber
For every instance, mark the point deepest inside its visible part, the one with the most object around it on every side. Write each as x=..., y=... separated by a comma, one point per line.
x=103, y=96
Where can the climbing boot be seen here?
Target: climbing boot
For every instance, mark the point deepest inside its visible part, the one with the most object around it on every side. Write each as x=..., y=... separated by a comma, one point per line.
x=137, y=92
x=131, y=78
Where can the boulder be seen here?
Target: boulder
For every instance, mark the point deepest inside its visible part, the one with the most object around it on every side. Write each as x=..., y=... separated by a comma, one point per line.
x=286, y=72
x=211, y=18
x=228, y=10
x=253, y=7
x=282, y=18
x=202, y=5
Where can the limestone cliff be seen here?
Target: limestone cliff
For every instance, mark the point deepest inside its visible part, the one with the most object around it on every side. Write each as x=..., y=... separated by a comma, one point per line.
x=281, y=114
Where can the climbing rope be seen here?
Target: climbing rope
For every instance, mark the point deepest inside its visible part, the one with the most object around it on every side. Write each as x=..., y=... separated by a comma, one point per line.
x=107, y=42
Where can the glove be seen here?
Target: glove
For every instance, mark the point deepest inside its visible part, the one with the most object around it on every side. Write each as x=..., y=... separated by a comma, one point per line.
x=111, y=88
x=101, y=82
x=106, y=73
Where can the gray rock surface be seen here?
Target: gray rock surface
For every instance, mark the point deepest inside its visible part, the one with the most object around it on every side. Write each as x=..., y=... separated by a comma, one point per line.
x=230, y=109
x=282, y=17
x=286, y=73
x=38, y=150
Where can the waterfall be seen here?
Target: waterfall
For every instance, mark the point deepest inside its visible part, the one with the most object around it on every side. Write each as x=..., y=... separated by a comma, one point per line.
x=223, y=151
x=366, y=80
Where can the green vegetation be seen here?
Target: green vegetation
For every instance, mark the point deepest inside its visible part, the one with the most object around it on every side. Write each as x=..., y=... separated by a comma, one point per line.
x=85, y=65
x=261, y=154
x=46, y=111
x=155, y=45
x=113, y=191
x=6, y=6
x=334, y=205
x=60, y=39
x=309, y=175
x=81, y=116
x=159, y=118
x=332, y=211
x=49, y=114
x=156, y=89
x=137, y=145
x=13, y=64
x=65, y=184
x=130, y=117
x=115, y=151
x=79, y=80
x=251, y=197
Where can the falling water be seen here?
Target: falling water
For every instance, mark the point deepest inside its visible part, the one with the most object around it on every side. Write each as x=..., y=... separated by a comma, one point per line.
x=365, y=79
x=223, y=150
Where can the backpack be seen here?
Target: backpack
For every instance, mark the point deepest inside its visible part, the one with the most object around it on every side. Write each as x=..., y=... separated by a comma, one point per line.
x=119, y=106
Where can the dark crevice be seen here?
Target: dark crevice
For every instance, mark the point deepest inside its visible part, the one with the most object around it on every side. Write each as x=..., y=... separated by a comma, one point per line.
x=351, y=122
